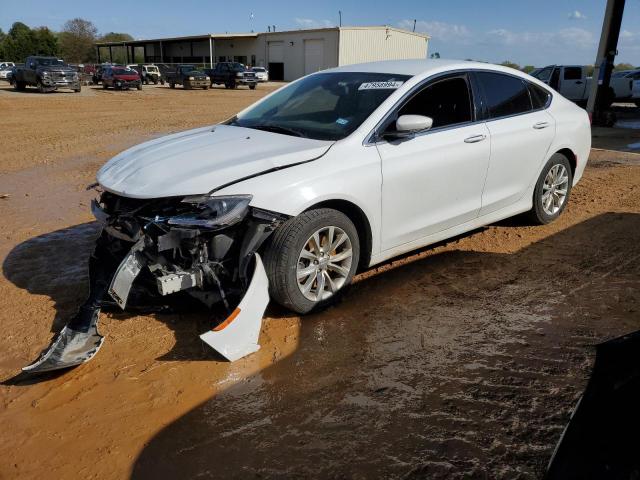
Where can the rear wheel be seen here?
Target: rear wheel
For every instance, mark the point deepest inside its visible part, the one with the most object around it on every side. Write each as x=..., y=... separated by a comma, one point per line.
x=172, y=85
x=311, y=259
x=552, y=190
x=20, y=86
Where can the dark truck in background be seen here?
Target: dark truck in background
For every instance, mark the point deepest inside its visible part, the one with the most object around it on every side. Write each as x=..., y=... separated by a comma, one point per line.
x=46, y=73
x=187, y=76
x=232, y=74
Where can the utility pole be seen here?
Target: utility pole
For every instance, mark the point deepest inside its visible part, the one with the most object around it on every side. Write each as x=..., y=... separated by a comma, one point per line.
x=340, y=16
x=414, y=24
x=607, y=51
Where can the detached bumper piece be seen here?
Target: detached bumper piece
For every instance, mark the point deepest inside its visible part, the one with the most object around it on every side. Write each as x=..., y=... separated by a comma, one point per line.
x=78, y=342
x=237, y=336
x=149, y=250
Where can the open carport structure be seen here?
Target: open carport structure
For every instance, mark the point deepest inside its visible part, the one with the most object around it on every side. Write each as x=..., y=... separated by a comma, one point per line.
x=287, y=55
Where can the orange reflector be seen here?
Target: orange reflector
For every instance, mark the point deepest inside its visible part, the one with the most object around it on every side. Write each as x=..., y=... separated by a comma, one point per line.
x=228, y=320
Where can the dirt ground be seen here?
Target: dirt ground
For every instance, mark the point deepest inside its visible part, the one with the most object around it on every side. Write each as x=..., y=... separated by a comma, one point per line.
x=459, y=361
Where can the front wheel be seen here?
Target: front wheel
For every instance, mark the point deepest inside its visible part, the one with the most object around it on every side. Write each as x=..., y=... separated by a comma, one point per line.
x=172, y=85
x=311, y=259
x=552, y=190
x=139, y=86
x=252, y=86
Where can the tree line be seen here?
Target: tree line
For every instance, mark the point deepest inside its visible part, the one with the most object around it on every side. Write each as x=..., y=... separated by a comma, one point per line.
x=74, y=43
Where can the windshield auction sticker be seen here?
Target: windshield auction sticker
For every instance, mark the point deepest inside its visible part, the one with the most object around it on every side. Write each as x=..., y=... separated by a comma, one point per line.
x=380, y=85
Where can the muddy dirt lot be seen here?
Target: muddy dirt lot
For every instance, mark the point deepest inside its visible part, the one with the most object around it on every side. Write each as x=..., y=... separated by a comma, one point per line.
x=463, y=360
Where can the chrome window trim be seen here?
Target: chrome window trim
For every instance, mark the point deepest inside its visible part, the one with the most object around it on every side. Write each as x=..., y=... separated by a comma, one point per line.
x=479, y=113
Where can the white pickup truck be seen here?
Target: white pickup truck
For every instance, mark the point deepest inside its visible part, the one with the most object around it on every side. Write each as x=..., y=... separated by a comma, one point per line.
x=573, y=83
x=634, y=75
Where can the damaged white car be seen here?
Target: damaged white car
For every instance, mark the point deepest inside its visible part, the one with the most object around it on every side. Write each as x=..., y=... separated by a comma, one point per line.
x=335, y=172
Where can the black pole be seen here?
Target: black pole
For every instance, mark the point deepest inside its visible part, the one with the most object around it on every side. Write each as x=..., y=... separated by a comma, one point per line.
x=414, y=24
x=340, y=15
x=607, y=51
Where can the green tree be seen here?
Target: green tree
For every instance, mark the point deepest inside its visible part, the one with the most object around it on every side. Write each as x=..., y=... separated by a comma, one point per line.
x=528, y=68
x=510, y=64
x=623, y=66
x=19, y=43
x=77, y=39
x=119, y=54
x=45, y=42
x=3, y=36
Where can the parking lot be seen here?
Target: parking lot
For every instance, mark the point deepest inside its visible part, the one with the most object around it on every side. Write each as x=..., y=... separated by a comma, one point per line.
x=462, y=360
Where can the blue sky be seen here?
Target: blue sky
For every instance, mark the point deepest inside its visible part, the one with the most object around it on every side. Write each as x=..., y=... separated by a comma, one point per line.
x=526, y=32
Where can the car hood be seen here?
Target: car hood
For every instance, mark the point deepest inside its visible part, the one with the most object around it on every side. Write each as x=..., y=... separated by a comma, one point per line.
x=198, y=161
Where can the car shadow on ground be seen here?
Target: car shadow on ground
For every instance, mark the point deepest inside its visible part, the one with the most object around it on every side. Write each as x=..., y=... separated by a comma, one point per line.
x=457, y=362
x=460, y=364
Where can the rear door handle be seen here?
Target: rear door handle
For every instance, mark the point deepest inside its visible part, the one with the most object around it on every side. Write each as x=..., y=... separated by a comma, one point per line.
x=475, y=138
x=541, y=125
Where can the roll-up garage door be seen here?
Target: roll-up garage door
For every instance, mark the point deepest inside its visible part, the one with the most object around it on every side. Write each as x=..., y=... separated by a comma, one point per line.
x=313, y=56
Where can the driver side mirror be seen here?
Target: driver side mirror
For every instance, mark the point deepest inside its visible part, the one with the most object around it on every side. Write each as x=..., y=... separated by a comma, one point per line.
x=408, y=125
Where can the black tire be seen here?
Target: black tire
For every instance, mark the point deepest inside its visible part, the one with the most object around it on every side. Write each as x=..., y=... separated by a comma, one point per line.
x=252, y=86
x=172, y=85
x=283, y=250
x=139, y=86
x=20, y=86
x=537, y=214
x=40, y=86
x=206, y=87
x=77, y=90
x=638, y=103
x=104, y=86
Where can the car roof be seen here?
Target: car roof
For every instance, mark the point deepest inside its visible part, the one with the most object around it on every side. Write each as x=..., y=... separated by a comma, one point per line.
x=420, y=67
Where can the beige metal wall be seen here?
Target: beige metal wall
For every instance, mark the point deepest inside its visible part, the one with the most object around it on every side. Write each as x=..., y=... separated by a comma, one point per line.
x=358, y=45
x=293, y=49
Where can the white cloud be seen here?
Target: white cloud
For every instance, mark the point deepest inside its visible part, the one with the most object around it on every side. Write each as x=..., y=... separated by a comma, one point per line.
x=577, y=15
x=446, y=32
x=312, y=23
x=572, y=37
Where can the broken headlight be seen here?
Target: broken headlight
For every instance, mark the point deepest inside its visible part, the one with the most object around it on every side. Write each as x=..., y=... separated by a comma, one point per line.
x=213, y=212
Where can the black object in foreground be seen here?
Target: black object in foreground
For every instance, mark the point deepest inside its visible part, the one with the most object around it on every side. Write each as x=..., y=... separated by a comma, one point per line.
x=602, y=439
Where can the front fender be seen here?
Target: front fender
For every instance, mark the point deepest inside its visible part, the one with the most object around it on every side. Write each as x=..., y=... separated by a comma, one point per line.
x=343, y=174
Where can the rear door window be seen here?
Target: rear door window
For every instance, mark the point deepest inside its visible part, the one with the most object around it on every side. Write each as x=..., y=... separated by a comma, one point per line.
x=505, y=95
x=572, y=73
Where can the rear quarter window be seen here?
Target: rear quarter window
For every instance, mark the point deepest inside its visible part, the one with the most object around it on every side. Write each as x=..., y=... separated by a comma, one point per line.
x=540, y=97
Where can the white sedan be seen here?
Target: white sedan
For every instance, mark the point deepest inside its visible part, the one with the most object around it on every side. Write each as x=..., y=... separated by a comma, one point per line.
x=331, y=174
x=262, y=74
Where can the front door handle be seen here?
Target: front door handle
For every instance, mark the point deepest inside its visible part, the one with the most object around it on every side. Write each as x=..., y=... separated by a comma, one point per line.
x=541, y=125
x=475, y=138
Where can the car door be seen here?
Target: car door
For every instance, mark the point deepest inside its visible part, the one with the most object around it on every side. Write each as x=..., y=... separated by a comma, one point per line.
x=520, y=136
x=433, y=180
x=573, y=83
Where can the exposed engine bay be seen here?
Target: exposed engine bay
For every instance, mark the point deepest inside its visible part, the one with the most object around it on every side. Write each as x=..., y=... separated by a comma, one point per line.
x=149, y=249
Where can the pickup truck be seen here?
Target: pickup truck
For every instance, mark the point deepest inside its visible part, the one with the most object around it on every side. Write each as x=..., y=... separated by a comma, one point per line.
x=634, y=75
x=572, y=83
x=187, y=76
x=46, y=73
x=232, y=74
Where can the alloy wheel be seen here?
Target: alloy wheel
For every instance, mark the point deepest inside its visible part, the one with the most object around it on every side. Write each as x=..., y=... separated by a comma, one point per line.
x=554, y=189
x=324, y=263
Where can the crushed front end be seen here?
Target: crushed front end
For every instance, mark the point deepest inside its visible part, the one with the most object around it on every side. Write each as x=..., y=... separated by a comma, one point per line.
x=150, y=249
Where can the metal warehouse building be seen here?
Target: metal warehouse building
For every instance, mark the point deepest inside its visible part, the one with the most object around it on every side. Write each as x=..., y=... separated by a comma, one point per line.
x=288, y=55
